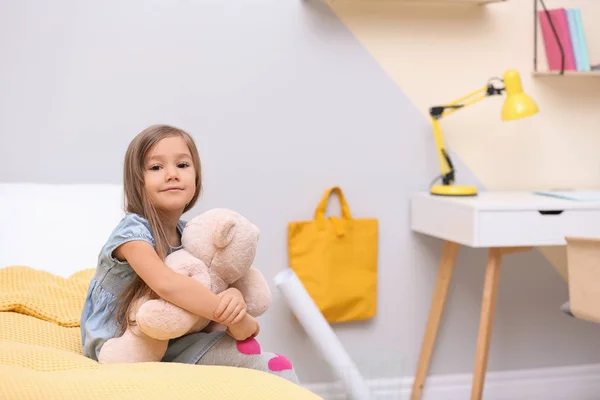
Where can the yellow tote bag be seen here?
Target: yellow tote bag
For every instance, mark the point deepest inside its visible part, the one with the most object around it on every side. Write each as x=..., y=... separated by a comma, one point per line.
x=336, y=260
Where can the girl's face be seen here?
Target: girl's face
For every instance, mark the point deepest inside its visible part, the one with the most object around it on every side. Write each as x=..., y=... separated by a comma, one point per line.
x=169, y=175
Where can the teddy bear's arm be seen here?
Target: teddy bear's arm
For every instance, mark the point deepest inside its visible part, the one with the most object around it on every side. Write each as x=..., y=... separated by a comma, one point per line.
x=256, y=291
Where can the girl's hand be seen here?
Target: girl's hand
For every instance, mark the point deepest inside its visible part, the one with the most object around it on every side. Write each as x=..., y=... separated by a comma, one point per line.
x=244, y=329
x=231, y=308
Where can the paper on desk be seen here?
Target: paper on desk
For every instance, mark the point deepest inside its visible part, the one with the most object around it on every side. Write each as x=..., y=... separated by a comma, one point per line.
x=576, y=195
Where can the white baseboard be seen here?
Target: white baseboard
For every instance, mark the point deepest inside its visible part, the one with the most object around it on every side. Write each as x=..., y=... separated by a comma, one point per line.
x=580, y=382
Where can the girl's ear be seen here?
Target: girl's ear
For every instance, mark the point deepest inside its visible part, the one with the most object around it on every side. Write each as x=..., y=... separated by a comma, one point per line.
x=224, y=232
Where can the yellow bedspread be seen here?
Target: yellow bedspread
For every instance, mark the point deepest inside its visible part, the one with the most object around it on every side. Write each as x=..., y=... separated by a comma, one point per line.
x=40, y=354
x=44, y=295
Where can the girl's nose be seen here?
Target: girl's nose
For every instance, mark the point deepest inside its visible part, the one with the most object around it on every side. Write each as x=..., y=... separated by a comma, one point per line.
x=171, y=173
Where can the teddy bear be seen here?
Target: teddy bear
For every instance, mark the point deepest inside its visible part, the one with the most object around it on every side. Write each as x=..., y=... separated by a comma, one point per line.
x=218, y=250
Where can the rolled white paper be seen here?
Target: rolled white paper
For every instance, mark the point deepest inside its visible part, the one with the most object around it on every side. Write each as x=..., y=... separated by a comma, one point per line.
x=321, y=334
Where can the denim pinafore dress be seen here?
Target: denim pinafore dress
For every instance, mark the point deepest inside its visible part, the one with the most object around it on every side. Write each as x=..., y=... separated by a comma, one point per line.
x=98, y=322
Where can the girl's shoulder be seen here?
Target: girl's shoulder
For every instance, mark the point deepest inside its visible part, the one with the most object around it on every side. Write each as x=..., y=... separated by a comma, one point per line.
x=134, y=225
x=131, y=227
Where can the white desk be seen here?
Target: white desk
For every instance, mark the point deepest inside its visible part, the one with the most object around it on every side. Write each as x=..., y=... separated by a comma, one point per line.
x=504, y=222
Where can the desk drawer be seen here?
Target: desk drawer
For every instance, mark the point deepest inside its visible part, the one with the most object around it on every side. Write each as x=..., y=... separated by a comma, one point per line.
x=535, y=228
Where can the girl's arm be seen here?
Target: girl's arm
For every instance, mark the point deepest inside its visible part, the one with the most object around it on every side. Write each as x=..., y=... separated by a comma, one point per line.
x=247, y=327
x=175, y=288
x=179, y=289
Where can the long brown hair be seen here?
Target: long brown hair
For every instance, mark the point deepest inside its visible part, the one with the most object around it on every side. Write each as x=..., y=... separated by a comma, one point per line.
x=137, y=201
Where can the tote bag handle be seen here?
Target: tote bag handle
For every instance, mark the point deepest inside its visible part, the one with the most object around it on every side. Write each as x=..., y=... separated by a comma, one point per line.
x=320, y=211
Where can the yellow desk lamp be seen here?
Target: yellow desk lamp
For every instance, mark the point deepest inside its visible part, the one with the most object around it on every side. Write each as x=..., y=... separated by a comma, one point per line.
x=517, y=105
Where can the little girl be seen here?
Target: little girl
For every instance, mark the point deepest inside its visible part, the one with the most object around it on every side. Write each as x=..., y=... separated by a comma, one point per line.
x=162, y=180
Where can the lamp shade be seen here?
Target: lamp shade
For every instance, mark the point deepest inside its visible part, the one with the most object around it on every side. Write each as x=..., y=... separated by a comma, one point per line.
x=517, y=104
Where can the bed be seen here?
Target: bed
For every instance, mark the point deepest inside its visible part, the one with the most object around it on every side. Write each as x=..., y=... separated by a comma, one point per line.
x=50, y=236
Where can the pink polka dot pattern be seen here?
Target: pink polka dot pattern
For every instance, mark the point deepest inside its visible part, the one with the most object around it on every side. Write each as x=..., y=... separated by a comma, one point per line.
x=279, y=363
x=249, y=346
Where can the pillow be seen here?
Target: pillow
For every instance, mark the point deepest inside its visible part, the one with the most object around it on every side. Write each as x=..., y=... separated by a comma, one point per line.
x=59, y=228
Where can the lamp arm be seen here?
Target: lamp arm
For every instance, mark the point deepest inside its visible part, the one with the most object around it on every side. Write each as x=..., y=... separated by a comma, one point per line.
x=439, y=112
x=476, y=96
x=446, y=166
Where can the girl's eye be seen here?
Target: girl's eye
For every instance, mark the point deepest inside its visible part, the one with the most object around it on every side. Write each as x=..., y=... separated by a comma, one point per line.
x=183, y=165
x=155, y=168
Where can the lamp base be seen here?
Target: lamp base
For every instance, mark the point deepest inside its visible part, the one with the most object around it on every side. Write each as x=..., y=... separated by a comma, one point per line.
x=453, y=190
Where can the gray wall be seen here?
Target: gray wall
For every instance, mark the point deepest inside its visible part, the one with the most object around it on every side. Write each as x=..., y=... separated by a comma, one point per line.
x=283, y=103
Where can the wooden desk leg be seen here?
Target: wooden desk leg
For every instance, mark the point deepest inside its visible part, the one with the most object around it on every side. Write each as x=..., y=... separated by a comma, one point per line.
x=486, y=322
x=445, y=270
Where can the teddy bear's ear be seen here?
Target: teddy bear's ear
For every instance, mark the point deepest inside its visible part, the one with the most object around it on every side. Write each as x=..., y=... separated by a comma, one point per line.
x=224, y=233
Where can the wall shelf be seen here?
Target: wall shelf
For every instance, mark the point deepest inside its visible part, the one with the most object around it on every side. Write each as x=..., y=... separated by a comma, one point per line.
x=579, y=74
x=425, y=2
x=564, y=73
x=450, y=1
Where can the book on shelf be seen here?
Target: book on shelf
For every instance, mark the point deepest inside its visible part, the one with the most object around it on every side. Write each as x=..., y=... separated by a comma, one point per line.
x=569, y=29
